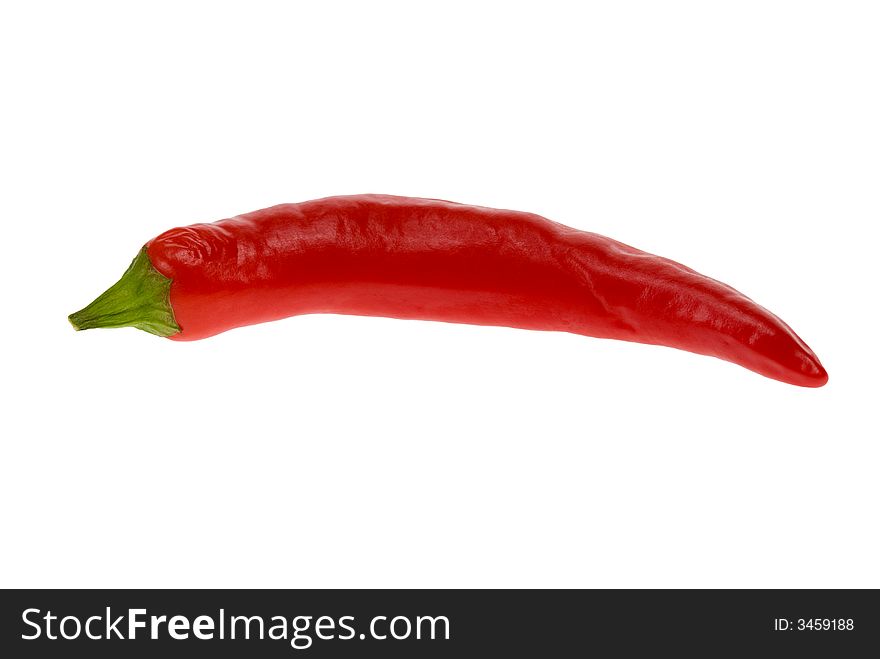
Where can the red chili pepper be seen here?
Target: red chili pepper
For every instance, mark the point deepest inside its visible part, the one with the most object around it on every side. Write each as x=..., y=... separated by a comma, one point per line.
x=402, y=257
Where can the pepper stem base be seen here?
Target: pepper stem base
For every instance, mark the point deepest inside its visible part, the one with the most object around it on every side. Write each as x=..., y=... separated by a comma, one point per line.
x=141, y=298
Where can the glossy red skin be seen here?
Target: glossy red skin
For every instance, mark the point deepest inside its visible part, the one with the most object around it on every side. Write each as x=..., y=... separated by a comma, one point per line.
x=403, y=257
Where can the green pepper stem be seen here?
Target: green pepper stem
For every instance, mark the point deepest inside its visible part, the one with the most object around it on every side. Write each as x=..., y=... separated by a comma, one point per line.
x=141, y=298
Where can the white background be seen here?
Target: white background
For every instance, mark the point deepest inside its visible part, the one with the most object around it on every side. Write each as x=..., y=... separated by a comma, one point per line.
x=739, y=138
